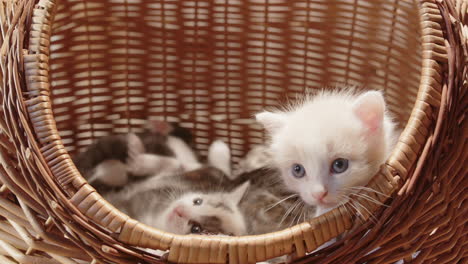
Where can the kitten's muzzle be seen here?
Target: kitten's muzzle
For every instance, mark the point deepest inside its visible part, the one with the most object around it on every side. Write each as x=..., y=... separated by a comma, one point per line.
x=319, y=196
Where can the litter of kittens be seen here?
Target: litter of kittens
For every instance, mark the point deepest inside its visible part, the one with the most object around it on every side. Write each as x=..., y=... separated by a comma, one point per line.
x=196, y=132
x=205, y=199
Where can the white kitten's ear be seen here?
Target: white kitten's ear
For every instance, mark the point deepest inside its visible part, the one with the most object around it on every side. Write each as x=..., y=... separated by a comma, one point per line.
x=271, y=121
x=369, y=108
x=237, y=194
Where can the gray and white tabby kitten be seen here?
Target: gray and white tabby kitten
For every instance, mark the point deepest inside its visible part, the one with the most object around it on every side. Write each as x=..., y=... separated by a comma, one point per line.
x=193, y=202
x=176, y=206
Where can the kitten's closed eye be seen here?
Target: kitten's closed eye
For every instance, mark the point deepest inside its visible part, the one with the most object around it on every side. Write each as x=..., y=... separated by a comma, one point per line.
x=298, y=170
x=339, y=165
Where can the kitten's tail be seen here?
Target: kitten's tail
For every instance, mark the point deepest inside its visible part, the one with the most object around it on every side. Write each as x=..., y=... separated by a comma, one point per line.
x=219, y=156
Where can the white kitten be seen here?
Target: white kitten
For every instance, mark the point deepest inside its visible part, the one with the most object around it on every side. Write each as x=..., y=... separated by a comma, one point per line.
x=330, y=143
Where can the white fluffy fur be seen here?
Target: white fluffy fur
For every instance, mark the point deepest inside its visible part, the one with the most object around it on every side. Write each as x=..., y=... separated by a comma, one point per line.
x=219, y=156
x=232, y=220
x=325, y=127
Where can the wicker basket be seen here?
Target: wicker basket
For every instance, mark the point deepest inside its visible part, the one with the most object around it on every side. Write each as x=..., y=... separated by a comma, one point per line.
x=76, y=70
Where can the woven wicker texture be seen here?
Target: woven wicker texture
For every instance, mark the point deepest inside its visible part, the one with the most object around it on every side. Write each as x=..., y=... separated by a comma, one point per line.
x=75, y=70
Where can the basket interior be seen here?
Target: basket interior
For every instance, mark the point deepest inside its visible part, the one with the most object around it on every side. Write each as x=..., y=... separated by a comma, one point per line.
x=210, y=65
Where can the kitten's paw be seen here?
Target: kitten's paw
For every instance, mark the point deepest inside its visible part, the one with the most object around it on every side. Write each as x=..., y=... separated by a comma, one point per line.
x=111, y=173
x=190, y=166
x=219, y=156
x=135, y=146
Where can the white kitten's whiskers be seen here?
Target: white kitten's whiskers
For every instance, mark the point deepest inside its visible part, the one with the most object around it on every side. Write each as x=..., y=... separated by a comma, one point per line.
x=280, y=201
x=358, y=204
x=359, y=214
x=355, y=192
x=345, y=198
x=358, y=188
x=289, y=211
x=299, y=214
x=295, y=215
x=370, y=199
x=304, y=215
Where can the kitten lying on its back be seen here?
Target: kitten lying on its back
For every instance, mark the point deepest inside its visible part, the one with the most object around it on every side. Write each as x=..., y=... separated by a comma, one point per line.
x=330, y=144
x=191, y=202
x=173, y=204
x=207, y=200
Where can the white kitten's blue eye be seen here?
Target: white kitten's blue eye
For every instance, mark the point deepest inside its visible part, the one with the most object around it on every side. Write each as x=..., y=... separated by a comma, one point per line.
x=197, y=201
x=298, y=170
x=339, y=165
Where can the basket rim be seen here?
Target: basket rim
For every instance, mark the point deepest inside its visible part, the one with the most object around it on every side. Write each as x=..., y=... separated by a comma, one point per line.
x=301, y=238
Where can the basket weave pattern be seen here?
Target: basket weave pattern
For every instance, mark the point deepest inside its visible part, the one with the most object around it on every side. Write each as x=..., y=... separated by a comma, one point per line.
x=73, y=71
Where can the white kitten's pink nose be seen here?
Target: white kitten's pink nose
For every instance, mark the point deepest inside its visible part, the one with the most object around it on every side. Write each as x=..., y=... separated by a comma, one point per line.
x=320, y=195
